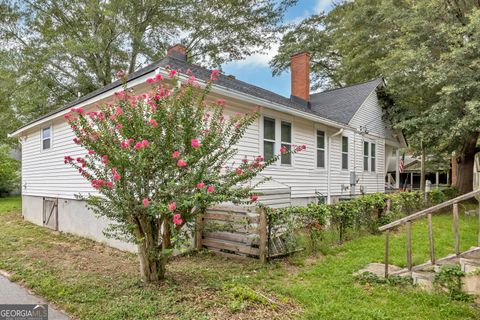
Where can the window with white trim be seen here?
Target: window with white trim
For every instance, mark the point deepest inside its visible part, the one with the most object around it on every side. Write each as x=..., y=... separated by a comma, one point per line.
x=268, y=138
x=366, y=155
x=46, y=138
x=345, y=153
x=373, y=156
x=286, y=142
x=320, y=149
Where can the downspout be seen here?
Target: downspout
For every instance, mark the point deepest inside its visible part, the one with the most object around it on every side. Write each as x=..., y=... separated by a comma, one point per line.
x=329, y=173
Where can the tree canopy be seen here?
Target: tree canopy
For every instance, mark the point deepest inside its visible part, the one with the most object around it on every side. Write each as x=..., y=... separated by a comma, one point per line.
x=57, y=49
x=427, y=51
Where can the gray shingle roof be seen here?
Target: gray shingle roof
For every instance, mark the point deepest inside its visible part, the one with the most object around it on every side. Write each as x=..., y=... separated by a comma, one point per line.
x=337, y=105
x=341, y=104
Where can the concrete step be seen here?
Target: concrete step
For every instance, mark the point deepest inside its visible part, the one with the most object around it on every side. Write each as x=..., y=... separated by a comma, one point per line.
x=424, y=279
x=469, y=265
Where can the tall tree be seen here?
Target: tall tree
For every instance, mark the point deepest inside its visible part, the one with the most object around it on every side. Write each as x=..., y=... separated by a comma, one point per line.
x=60, y=48
x=426, y=50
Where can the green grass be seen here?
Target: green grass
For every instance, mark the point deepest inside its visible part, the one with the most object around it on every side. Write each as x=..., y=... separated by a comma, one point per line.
x=91, y=281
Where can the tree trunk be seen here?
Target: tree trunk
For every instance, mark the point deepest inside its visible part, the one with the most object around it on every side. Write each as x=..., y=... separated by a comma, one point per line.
x=152, y=260
x=465, y=163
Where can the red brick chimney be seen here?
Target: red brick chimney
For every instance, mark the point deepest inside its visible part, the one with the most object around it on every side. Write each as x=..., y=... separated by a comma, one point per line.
x=300, y=72
x=178, y=51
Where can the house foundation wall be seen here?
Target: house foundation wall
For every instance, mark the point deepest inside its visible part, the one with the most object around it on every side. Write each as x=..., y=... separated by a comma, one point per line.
x=74, y=217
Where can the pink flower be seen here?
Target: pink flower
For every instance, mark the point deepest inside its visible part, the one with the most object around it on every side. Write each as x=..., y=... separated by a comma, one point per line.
x=195, y=143
x=124, y=144
x=200, y=185
x=116, y=177
x=175, y=154
x=76, y=140
x=137, y=146
x=172, y=206
x=105, y=159
x=80, y=110
x=253, y=198
x=239, y=171
x=221, y=102
x=259, y=158
x=283, y=150
x=153, y=123
x=145, y=143
x=145, y=202
x=181, y=163
x=159, y=77
x=151, y=80
x=91, y=152
x=67, y=116
x=80, y=170
x=177, y=219
x=238, y=125
x=214, y=75
x=172, y=73
x=110, y=184
x=191, y=79
x=118, y=111
x=210, y=189
x=119, y=126
x=121, y=74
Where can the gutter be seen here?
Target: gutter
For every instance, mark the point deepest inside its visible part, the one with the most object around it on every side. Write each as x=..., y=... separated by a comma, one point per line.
x=329, y=171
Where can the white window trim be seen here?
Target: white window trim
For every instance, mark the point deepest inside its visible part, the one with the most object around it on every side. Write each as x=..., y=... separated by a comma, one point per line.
x=279, y=128
x=368, y=155
x=51, y=138
x=341, y=153
x=278, y=132
x=372, y=158
x=325, y=148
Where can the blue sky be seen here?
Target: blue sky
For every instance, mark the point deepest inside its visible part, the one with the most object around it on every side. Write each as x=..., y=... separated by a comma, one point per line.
x=255, y=69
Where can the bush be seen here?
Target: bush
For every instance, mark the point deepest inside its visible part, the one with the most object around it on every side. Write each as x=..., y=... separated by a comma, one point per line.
x=9, y=178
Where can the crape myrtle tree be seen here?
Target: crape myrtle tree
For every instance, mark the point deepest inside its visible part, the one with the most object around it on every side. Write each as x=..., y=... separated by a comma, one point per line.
x=160, y=158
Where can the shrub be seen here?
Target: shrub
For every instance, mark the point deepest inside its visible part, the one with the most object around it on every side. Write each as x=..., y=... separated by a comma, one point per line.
x=449, y=279
x=9, y=177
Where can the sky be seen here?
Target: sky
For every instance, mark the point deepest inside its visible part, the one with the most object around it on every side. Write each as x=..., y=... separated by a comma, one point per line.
x=255, y=69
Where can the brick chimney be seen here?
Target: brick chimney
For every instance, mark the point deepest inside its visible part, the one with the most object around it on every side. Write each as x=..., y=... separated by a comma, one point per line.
x=178, y=51
x=300, y=72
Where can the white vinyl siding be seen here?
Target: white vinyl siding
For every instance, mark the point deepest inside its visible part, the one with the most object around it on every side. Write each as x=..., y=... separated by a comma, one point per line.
x=45, y=174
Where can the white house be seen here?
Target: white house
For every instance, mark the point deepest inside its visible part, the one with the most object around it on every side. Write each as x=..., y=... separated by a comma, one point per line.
x=349, y=144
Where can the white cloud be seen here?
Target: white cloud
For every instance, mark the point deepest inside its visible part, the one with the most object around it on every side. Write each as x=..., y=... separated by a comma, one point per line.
x=259, y=59
x=323, y=5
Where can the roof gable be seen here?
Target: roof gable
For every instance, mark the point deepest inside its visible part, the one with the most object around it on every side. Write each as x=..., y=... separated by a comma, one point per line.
x=341, y=104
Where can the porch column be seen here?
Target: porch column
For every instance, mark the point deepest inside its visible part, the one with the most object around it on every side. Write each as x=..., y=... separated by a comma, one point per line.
x=437, y=178
x=411, y=181
x=397, y=169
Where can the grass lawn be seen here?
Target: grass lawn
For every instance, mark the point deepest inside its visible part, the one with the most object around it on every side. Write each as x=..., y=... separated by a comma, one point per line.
x=91, y=281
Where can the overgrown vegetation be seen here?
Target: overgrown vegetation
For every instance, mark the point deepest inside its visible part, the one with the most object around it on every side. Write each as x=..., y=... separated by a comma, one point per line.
x=449, y=278
x=349, y=218
x=9, y=175
x=91, y=281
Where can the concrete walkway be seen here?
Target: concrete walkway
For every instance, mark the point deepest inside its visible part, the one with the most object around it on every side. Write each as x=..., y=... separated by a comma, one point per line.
x=12, y=293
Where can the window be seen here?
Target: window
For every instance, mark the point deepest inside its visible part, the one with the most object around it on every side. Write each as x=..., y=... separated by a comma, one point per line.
x=320, y=149
x=366, y=154
x=345, y=153
x=268, y=138
x=373, y=157
x=286, y=135
x=46, y=138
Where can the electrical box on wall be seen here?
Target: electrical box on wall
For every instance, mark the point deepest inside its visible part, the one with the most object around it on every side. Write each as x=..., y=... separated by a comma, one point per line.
x=353, y=178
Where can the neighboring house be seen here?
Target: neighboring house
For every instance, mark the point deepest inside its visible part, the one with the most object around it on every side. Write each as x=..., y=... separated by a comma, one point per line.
x=348, y=144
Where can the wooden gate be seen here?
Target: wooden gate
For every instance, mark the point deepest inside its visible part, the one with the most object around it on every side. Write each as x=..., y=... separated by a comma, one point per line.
x=50, y=213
